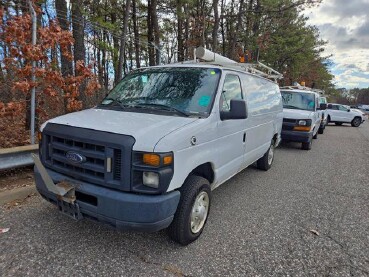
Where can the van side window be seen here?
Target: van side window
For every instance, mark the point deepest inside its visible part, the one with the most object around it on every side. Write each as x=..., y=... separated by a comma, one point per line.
x=231, y=90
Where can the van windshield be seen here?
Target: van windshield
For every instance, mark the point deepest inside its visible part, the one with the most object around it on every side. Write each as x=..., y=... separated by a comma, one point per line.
x=184, y=91
x=298, y=100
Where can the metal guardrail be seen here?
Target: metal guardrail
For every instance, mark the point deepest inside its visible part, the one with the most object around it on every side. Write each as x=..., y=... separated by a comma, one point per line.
x=17, y=156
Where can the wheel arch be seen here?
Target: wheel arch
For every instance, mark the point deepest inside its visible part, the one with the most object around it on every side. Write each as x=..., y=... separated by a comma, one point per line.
x=204, y=170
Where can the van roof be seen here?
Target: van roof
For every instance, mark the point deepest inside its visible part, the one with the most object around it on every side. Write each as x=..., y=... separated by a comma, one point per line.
x=208, y=65
x=297, y=90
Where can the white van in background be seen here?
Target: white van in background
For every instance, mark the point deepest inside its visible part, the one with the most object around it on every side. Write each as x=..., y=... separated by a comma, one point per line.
x=323, y=114
x=301, y=116
x=150, y=154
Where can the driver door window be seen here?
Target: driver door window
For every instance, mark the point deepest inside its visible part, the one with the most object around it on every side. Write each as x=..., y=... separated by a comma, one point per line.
x=342, y=108
x=231, y=90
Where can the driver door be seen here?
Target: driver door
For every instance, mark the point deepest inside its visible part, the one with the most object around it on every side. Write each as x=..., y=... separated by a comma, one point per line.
x=231, y=132
x=344, y=113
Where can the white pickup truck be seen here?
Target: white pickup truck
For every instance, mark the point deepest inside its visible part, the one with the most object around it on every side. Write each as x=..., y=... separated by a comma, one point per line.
x=150, y=154
x=340, y=114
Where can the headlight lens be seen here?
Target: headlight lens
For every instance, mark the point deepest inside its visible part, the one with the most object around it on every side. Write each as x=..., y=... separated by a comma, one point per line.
x=150, y=179
x=302, y=122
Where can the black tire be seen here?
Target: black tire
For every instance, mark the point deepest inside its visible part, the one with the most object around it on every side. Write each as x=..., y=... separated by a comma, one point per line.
x=180, y=229
x=307, y=145
x=316, y=135
x=356, y=122
x=338, y=123
x=328, y=119
x=321, y=131
x=264, y=163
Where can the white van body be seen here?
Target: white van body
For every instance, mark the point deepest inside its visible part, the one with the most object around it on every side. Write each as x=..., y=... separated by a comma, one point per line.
x=205, y=146
x=301, y=121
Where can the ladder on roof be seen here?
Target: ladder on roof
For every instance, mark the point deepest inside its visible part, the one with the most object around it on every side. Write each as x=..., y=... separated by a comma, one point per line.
x=298, y=86
x=260, y=69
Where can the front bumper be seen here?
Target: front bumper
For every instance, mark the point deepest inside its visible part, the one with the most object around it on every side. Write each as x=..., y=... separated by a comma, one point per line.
x=297, y=136
x=122, y=210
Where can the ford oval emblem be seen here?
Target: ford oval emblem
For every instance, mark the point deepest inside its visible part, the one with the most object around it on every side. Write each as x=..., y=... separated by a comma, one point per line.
x=75, y=157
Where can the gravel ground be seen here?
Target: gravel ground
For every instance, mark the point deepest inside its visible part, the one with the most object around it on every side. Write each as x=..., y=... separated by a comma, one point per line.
x=307, y=216
x=20, y=177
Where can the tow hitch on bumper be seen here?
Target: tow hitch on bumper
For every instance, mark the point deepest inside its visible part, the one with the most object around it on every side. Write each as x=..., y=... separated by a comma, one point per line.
x=65, y=192
x=120, y=209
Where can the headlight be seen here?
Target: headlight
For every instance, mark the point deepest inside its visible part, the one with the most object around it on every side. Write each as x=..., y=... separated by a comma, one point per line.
x=150, y=179
x=302, y=122
x=152, y=172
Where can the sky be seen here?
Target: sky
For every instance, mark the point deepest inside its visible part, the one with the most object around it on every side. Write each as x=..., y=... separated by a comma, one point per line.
x=345, y=25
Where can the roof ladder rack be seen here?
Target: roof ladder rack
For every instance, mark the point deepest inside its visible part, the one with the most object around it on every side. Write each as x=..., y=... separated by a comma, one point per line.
x=258, y=69
x=298, y=86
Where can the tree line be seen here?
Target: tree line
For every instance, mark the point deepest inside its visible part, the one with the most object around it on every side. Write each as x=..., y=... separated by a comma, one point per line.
x=117, y=36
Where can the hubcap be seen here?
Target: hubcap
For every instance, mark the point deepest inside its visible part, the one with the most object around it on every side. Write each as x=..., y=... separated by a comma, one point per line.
x=199, y=212
x=271, y=154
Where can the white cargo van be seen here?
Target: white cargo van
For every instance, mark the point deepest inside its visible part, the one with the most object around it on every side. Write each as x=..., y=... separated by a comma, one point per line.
x=301, y=116
x=150, y=154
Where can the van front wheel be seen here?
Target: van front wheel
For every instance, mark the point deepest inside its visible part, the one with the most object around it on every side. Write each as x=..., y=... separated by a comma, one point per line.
x=266, y=161
x=192, y=211
x=307, y=145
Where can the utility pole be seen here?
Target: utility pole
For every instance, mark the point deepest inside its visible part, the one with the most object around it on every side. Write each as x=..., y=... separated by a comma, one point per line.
x=33, y=92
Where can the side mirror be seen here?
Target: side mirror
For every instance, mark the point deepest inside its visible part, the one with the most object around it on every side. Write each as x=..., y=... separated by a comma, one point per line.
x=323, y=106
x=238, y=110
x=349, y=110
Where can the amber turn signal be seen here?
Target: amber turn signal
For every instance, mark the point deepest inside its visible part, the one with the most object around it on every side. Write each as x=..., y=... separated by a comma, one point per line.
x=151, y=159
x=301, y=128
x=168, y=160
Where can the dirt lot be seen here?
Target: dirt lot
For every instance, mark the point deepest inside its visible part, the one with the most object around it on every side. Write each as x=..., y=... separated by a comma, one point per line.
x=11, y=179
x=307, y=216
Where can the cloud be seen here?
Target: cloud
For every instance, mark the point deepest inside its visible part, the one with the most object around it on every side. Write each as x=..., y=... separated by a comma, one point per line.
x=345, y=25
x=345, y=9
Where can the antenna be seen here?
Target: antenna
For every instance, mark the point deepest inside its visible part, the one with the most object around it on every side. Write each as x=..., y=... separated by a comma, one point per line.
x=258, y=68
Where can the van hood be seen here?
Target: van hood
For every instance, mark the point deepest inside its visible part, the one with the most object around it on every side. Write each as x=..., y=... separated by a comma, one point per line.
x=147, y=129
x=297, y=114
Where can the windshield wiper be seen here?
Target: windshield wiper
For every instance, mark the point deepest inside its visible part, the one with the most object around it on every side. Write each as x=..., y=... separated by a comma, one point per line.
x=163, y=107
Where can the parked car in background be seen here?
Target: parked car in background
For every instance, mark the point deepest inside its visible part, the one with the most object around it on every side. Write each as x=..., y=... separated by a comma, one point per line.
x=148, y=157
x=365, y=111
x=301, y=115
x=340, y=114
x=363, y=114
